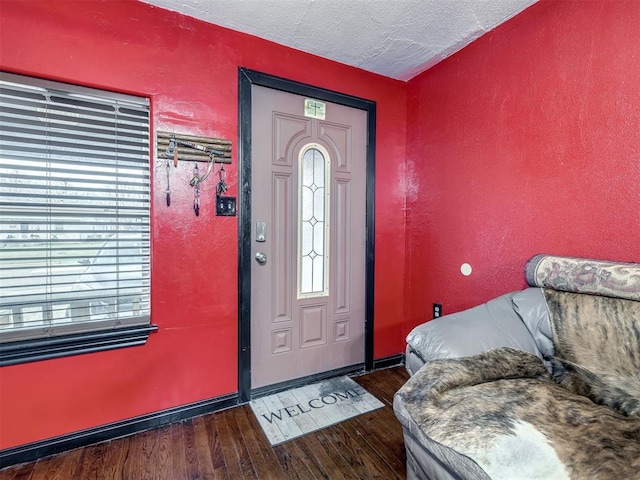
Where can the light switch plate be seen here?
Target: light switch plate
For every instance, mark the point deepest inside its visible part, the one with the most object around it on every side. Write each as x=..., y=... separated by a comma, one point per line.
x=226, y=206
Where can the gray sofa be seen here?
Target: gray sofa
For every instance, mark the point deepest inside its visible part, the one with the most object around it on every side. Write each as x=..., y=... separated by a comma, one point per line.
x=542, y=383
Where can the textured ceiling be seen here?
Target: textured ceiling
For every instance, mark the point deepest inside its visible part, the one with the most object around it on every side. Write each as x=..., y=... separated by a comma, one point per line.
x=395, y=38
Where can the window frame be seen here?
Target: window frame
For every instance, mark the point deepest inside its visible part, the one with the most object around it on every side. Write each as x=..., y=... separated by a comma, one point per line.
x=66, y=339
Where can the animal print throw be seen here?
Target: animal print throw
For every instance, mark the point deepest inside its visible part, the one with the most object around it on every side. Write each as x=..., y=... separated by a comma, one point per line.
x=597, y=348
x=502, y=410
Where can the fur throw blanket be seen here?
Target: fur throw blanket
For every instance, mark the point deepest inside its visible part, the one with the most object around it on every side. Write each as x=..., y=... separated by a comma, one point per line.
x=503, y=410
x=596, y=342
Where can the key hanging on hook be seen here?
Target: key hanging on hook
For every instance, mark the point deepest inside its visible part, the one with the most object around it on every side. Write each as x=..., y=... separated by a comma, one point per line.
x=196, y=200
x=168, y=193
x=222, y=187
x=195, y=183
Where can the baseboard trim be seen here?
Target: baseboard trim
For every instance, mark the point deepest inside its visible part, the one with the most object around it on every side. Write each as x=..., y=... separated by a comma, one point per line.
x=44, y=448
x=359, y=368
x=390, y=361
x=52, y=446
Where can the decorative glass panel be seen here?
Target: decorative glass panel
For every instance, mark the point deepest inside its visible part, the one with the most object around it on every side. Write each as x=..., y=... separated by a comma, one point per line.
x=312, y=259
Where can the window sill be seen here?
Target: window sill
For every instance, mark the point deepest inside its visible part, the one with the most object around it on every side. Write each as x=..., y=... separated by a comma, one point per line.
x=26, y=351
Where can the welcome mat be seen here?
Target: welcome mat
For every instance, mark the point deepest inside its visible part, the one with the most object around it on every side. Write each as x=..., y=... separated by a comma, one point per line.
x=292, y=413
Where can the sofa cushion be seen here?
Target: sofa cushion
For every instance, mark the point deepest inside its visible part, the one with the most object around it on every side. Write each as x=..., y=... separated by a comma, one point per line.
x=485, y=327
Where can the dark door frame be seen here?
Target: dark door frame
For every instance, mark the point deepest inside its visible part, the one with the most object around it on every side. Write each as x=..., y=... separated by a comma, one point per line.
x=247, y=78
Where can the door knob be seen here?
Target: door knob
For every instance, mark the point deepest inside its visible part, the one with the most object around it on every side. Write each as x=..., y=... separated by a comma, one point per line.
x=261, y=258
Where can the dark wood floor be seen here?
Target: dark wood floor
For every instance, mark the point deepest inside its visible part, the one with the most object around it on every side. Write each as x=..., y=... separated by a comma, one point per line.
x=230, y=445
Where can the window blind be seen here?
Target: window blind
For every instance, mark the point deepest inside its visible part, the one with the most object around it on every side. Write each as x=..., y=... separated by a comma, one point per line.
x=74, y=209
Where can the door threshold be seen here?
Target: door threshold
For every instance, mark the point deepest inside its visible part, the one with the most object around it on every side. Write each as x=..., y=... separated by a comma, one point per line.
x=302, y=381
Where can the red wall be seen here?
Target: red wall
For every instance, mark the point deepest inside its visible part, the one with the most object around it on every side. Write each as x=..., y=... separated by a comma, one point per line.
x=527, y=141
x=189, y=70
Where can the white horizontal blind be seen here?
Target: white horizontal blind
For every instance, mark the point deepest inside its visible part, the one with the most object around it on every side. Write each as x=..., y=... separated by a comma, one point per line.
x=74, y=209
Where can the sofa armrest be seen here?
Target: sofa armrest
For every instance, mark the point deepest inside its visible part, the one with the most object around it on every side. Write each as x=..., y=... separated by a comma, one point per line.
x=470, y=332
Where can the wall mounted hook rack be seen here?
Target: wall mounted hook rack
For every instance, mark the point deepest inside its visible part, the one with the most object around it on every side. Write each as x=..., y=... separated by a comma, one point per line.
x=190, y=148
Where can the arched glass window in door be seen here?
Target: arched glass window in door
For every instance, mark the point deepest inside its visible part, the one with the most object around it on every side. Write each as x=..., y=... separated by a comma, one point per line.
x=313, y=228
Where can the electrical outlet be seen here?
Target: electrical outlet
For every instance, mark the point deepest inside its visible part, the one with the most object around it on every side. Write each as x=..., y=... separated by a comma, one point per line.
x=437, y=310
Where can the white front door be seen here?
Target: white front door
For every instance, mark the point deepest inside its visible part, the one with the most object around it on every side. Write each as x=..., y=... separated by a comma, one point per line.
x=308, y=193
